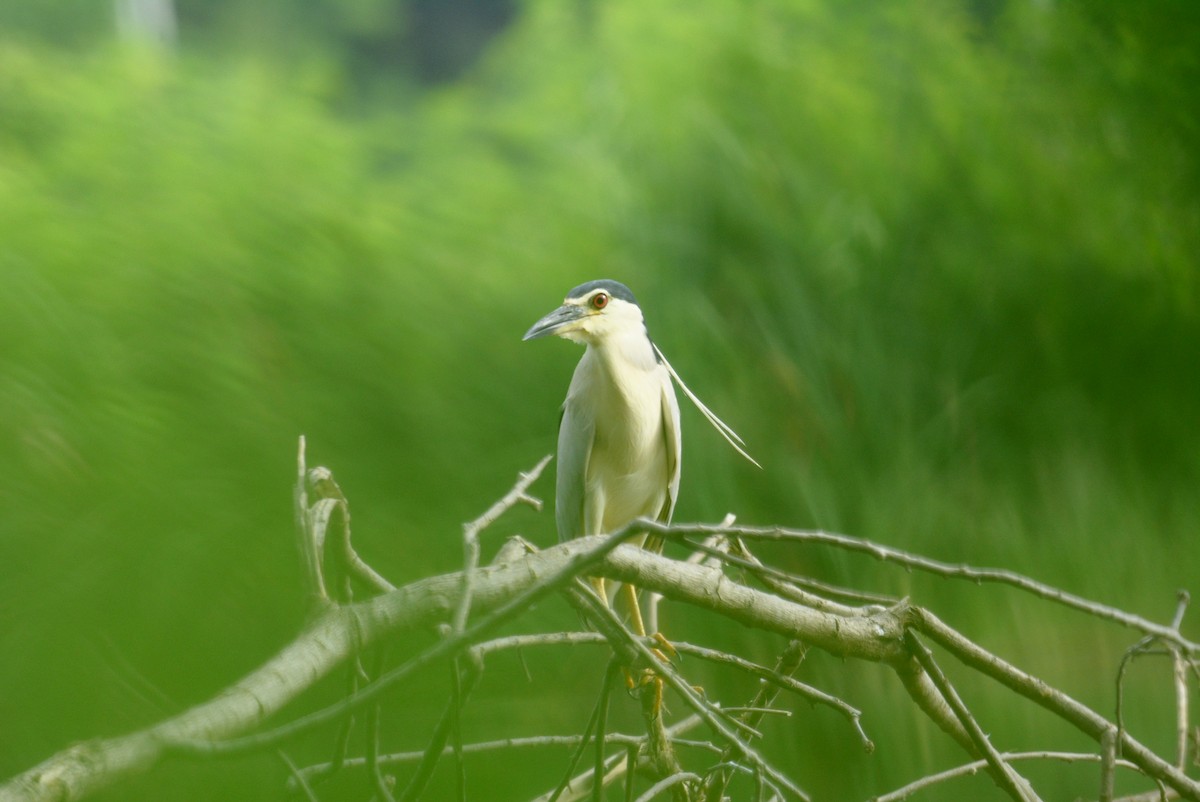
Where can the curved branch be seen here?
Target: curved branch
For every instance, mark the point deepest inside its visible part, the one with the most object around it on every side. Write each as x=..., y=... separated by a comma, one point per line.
x=1078, y=714
x=337, y=634
x=883, y=553
x=501, y=592
x=970, y=769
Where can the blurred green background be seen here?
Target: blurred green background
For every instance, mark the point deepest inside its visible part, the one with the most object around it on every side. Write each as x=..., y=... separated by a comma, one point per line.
x=937, y=262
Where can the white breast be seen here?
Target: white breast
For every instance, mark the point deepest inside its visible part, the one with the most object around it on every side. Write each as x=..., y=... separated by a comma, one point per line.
x=627, y=473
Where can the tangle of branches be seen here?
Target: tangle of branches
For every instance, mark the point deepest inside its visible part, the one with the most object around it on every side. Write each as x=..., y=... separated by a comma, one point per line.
x=688, y=746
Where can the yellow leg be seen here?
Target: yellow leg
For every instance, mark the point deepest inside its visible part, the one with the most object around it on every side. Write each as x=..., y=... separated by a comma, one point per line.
x=635, y=612
x=639, y=626
x=650, y=681
x=598, y=586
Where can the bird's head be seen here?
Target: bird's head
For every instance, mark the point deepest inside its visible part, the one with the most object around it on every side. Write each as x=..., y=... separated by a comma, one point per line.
x=592, y=313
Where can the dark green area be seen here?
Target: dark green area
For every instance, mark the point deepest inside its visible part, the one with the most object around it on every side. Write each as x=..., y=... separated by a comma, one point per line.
x=936, y=262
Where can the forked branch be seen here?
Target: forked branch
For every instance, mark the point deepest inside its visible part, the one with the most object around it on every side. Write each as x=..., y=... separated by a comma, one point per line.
x=467, y=607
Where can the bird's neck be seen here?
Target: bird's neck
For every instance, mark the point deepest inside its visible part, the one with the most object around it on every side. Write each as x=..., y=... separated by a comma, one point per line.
x=624, y=352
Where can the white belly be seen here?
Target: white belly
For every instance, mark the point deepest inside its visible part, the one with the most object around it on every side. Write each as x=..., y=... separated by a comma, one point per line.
x=627, y=474
x=617, y=496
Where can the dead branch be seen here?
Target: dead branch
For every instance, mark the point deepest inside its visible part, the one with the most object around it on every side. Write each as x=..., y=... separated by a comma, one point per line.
x=888, y=554
x=968, y=769
x=466, y=608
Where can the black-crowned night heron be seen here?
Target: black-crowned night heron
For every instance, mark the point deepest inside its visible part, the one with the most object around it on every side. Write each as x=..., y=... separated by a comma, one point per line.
x=619, y=441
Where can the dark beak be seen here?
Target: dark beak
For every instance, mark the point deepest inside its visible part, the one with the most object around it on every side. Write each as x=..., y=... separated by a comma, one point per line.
x=553, y=322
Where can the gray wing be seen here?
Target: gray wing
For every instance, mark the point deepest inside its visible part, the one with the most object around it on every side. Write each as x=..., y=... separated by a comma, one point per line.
x=673, y=439
x=673, y=436
x=574, y=449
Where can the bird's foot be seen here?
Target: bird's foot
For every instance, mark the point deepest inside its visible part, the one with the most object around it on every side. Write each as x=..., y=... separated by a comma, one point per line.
x=648, y=687
x=665, y=647
x=648, y=684
x=663, y=653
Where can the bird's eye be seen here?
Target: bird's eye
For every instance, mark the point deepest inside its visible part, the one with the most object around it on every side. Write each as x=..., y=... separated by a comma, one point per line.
x=600, y=300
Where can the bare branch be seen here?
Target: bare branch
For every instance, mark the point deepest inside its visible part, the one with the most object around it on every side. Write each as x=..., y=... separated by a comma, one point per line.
x=969, y=769
x=528, y=742
x=504, y=590
x=441, y=733
x=781, y=680
x=311, y=544
x=1181, y=664
x=1057, y=702
x=689, y=695
x=620, y=764
x=517, y=495
x=594, y=731
x=1182, y=715
x=888, y=554
x=296, y=778
x=1012, y=783
x=469, y=605
x=668, y=782
x=1108, y=764
x=317, y=516
x=930, y=701
x=471, y=532
x=788, y=663
x=800, y=590
x=873, y=637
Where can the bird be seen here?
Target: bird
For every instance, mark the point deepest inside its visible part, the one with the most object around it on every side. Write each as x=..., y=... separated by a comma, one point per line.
x=619, y=437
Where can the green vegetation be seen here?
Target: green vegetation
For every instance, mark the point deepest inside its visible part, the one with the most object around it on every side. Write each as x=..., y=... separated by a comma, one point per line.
x=939, y=268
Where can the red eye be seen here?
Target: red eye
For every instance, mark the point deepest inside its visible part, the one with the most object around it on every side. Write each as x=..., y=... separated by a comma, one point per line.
x=600, y=300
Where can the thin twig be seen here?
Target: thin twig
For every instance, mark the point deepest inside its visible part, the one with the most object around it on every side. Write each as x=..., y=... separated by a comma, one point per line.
x=381, y=784
x=331, y=499
x=761, y=712
x=681, y=687
x=306, y=538
x=526, y=742
x=524, y=641
x=1139, y=648
x=457, y=700
x=1180, y=665
x=1159, y=794
x=969, y=769
x=622, y=764
x=296, y=777
x=437, y=742
x=801, y=589
x=610, y=676
x=788, y=663
x=1182, y=598
x=1011, y=782
x=516, y=495
x=771, y=677
x=668, y=782
x=378, y=780
x=1060, y=704
x=631, y=753
x=588, y=731
x=472, y=530
x=780, y=680
x=1108, y=764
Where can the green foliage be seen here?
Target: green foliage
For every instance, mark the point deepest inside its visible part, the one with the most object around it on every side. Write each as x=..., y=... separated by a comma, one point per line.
x=940, y=271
